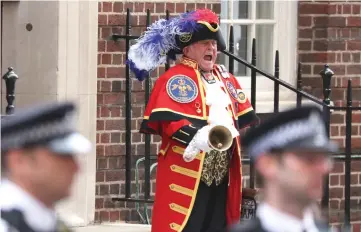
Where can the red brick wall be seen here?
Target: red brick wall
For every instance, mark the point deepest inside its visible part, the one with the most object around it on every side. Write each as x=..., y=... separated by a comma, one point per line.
x=330, y=32
x=110, y=176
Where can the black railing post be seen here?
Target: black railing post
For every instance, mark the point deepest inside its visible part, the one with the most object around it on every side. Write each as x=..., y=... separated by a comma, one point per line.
x=299, y=84
x=253, y=75
x=253, y=102
x=167, y=63
x=10, y=78
x=231, y=49
x=276, y=97
x=147, y=136
x=348, y=156
x=128, y=108
x=326, y=75
x=326, y=187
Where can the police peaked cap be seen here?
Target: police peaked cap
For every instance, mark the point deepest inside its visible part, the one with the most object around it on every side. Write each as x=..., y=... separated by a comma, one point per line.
x=49, y=125
x=300, y=129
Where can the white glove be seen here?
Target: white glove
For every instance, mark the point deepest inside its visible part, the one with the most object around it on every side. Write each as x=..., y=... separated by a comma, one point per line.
x=198, y=143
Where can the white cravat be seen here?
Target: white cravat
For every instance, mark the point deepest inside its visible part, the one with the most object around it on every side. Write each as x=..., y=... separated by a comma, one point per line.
x=219, y=101
x=35, y=213
x=273, y=220
x=207, y=85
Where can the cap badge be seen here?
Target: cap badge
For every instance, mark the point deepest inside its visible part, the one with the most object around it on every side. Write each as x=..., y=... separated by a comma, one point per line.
x=185, y=38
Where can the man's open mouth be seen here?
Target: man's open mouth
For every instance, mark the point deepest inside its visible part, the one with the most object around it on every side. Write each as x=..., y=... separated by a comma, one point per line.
x=208, y=57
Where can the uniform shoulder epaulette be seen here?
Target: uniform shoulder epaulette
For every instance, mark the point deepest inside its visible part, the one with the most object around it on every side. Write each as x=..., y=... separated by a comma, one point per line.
x=15, y=220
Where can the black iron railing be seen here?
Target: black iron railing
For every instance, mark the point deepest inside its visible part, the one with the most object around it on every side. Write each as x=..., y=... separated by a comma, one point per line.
x=326, y=75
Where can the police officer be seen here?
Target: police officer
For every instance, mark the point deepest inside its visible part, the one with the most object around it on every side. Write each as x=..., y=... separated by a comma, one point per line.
x=290, y=154
x=39, y=164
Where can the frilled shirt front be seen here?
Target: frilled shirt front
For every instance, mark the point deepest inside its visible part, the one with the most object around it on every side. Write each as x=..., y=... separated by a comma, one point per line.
x=216, y=163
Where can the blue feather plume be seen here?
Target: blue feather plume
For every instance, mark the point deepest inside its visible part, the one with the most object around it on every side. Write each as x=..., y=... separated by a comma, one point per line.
x=152, y=47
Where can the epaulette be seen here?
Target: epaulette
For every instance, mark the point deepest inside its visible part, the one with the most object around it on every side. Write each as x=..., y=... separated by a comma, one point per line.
x=15, y=219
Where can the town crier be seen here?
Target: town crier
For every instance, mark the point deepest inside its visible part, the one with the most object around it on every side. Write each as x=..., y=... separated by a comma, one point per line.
x=198, y=108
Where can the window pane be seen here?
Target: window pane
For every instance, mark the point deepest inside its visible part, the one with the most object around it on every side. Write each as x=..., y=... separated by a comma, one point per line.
x=225, y=10
x=264, y=47
x=264, y=9
x=221, y=58
x=240, y=33
x=240, y=48
x=241, y=9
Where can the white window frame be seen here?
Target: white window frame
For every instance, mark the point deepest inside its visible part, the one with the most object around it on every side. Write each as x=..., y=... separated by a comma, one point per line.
x=284, y=40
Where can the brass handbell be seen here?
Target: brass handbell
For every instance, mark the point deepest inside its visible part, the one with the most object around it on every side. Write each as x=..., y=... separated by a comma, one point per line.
x=220, y=138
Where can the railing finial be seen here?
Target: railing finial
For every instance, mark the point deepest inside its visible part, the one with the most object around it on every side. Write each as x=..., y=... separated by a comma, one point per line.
x=326, y=75
x=10, y=78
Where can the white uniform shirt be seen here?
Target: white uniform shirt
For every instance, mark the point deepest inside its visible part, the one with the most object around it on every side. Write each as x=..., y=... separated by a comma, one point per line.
x=273, y=220
x=36, y=215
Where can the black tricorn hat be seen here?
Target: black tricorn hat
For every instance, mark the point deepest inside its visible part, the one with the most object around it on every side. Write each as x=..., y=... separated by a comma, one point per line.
x=205, y=31
x=204, y=26
x=295, y=129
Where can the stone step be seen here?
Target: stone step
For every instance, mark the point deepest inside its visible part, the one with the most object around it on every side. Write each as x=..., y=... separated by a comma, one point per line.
x=114, y=227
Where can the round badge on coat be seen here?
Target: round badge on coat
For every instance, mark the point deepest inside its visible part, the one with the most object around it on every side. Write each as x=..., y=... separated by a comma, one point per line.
x=241, y=96
x=237, y=94
x=182, y=89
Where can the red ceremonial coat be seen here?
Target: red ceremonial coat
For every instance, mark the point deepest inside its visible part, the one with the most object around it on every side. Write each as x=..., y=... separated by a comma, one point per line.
x=176, y=109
